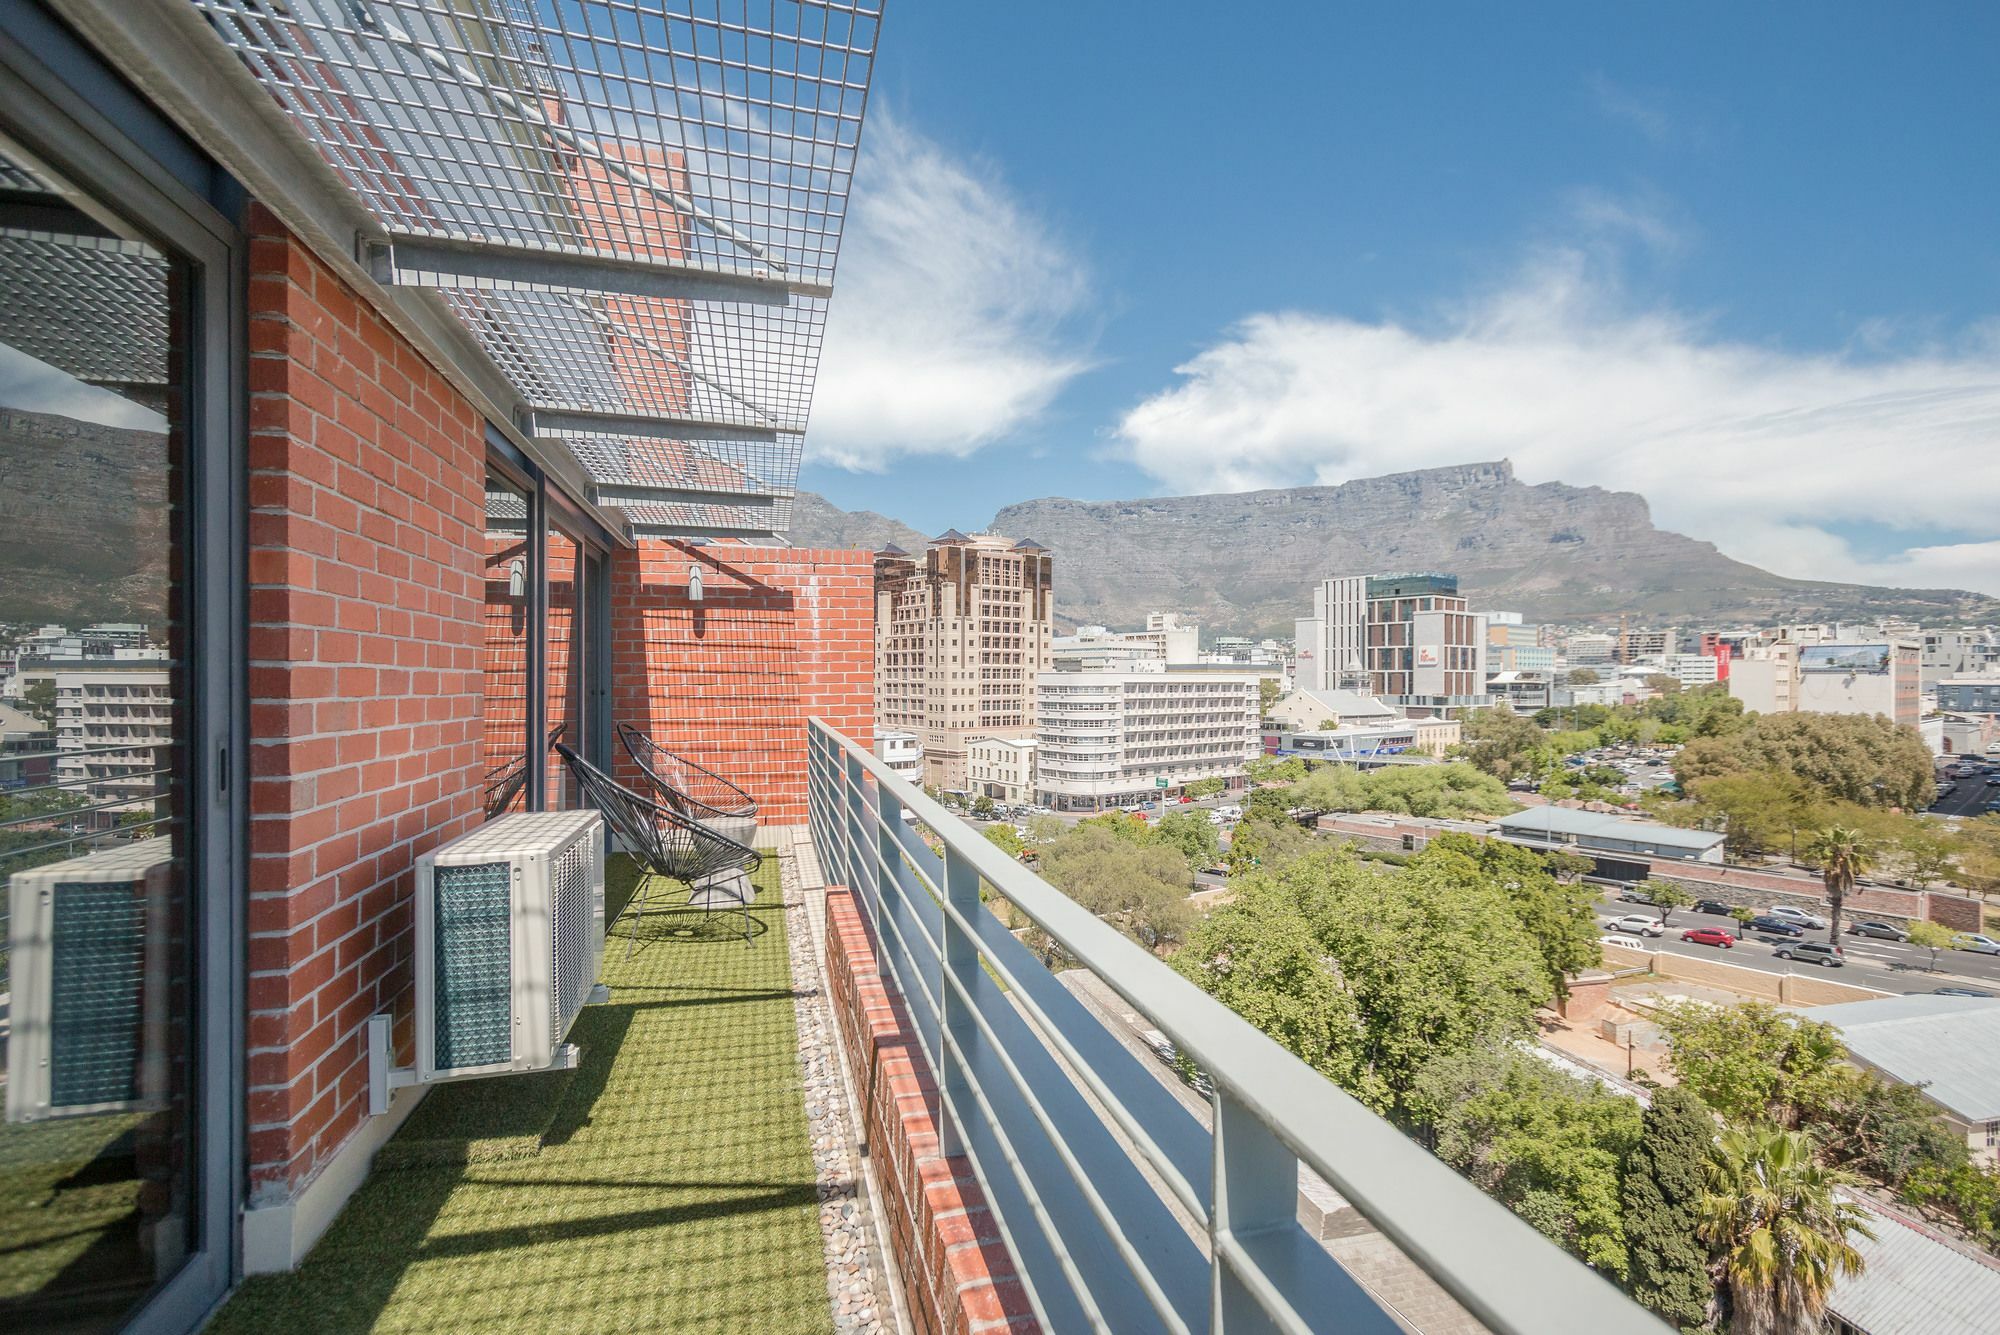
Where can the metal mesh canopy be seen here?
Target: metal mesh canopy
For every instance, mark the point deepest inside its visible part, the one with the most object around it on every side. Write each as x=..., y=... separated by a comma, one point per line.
x=634, y=205
x=77, y=298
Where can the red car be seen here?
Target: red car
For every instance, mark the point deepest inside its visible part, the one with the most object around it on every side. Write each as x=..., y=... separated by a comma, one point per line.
x=1709, y=936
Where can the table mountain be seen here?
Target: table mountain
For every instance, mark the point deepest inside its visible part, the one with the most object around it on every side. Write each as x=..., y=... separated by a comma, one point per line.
x=1246, y=561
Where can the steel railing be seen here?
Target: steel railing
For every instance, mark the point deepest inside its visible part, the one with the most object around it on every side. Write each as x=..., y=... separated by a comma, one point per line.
x=1122, y=1211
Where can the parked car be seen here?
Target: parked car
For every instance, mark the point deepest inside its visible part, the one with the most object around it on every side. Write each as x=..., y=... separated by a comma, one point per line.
x=1812, y=952
x=1639, y=924
x=1709, y=936
x=1765, y=925
x=1713, y=907
x=1979, y=943
x=1959, y=992
x=1993, y=781
x=1799, y=916
x=1880, y=930
x=1230, y=813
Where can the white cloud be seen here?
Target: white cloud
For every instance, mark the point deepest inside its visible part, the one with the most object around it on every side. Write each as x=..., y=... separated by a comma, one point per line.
x=1643, y=111
x=1759, y=450
x=950, y=322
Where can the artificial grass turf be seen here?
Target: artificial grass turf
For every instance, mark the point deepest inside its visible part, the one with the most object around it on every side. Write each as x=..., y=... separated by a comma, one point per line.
x=673, y=1189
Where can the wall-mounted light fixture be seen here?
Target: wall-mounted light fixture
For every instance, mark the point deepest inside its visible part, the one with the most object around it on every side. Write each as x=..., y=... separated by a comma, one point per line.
x=694, y=584
x=517, y=577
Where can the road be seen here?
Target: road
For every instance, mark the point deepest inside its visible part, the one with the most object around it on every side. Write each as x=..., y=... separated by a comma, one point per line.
x=1884, y=965
x=1969, y=798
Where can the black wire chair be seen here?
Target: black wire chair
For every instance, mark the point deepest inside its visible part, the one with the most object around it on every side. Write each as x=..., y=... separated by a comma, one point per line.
x=715, y=867
x=697, y=793
x=505, y=782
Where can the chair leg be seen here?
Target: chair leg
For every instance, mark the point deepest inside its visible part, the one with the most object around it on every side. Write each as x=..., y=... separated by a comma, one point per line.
x=638, y=908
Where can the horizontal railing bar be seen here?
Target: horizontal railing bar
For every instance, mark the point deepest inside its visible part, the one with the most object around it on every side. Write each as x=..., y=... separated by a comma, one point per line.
x=1276, y=1261
x=1509, y=1276
x=1140, y=1211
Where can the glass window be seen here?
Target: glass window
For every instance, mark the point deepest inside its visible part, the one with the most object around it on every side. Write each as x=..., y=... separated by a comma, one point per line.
x=98, y=1151
x=508, y=617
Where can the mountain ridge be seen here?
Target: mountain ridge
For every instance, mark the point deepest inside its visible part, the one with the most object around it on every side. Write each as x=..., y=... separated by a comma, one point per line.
x=1245, y=562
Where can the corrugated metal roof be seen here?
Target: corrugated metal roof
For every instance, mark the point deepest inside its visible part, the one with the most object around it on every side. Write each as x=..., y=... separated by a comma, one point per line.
x=1570, y=820
x=1951, y=1045
x=1914, y=1284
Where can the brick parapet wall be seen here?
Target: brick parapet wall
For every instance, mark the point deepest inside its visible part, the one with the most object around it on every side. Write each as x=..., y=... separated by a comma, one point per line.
x=957, y=1274
x=780, y=635
x=365, y=528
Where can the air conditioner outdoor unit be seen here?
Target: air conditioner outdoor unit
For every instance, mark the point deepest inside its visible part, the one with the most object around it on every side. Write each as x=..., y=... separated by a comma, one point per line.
x=87, y=944
x=509, y=944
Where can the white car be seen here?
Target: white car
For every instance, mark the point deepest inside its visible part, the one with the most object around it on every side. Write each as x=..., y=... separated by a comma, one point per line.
x=1639, y=924
x=1230, y=813
x=1979, y=943
x=1799, y=916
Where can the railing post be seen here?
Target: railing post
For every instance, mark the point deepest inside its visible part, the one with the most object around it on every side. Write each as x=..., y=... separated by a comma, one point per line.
x=1256, y=1188
x=961, y=962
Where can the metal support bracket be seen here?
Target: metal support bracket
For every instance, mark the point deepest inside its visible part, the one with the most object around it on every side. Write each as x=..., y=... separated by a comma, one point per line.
x=431, y=261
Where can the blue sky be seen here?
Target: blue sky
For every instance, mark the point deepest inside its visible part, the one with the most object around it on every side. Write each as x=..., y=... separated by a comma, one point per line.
x=1742, y=259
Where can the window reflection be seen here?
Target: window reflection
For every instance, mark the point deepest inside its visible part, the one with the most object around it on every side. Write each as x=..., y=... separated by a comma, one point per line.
x=96, y=1152
x=507, y=621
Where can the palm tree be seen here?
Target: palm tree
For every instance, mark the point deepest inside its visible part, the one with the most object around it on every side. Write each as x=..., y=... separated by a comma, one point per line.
x=1775, y=1216
x=1844, y=855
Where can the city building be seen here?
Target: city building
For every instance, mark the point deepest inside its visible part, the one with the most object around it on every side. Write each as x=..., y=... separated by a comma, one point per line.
x=1368, y=745
x=1692, y=669
x=1410, y=639
x=1589, y=649
x=1958, y=653
x=1522, y=692
x=1109, y=739
x=1636, y=645
x=1305, y=709
x=902, y=752
x=114, y=718
x=1879, y=678
x=1942, y=1045
x=1969, y=695
x=960, y=634
x=1513, y=646
x=1003, y=768
x=1765, y=678
x=1722, y=648
x=1574, y=830
x=27, y=750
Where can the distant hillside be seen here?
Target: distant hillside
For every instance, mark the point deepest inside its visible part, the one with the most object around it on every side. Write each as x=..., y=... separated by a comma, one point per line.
x=1245, y=562
x=83, y=521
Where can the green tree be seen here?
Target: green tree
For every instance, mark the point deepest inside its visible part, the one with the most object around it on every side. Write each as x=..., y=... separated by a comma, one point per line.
x=1863, y=759
x=1760, y=811
x=1443, y=792
x=1583, y=676
x=1929, y=849
x=1843, y=855
x=1661, y=1196
x=1742, y=914
x=1661, y=684
x=982, y=807
x=1560, y=915
x=1753, y=1063
x=1934, y=936
x=1775, y=1215
x=1119, y=824
x=1006, y=839
x=1330, y=788
x=1667, y=896
x=1139, y=887
x=1046, y=829
x=40, y=698
x=1205, y=787
x=1546, y=1144
x=1268, y=691
x=1270, y=769
x=1191, y=835
x=1502, y=743
x=1264, y=841
x=1433, y=963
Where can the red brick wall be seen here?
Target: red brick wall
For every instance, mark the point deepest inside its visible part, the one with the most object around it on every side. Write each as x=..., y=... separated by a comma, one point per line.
x=781, y=634
x=366, y=556
x=957, y=1274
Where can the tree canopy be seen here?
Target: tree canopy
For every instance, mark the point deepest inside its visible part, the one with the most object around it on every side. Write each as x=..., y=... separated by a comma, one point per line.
x=1662, y=1202
x=1753, y=1063
x=1559, y=915
x=1431, y=962
x=1866, y=760
x=1137, y=885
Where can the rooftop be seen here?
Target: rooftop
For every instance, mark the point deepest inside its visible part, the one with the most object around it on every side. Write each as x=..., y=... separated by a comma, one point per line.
x=1950, y=1045
x=1553, y=819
